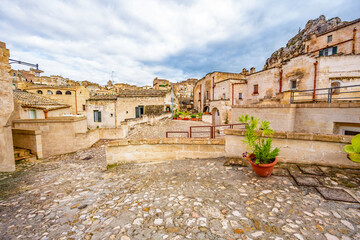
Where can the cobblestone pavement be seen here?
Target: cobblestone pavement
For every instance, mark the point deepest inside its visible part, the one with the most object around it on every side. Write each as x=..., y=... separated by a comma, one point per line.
x=159, y=129
x=73, y=196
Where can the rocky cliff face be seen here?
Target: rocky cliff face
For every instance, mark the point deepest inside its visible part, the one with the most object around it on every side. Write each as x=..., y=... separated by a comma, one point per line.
x=295, y=45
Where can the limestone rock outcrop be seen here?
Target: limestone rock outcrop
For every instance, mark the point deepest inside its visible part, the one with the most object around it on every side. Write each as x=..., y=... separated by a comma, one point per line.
x=295, y=45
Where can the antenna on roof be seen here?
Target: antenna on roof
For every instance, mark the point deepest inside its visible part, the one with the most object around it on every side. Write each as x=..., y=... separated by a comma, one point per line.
x=11, y=61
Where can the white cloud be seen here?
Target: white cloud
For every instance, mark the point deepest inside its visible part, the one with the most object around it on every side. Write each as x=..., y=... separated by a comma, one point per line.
x=89, y=39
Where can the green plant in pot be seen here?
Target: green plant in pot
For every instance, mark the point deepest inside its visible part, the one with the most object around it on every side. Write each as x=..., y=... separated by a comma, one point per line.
x=353, y=150
x=258, y=140
x=199, y=115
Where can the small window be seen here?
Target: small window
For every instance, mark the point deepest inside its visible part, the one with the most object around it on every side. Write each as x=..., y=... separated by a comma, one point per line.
x=67, y=93
x=207, y=94
x=240, y=96
x=84, y=107
x=256, y=89
x=49, y=92
x=224, y=96
x=328, y=51
x=111, y=115
x=58, y=92
x=293, y=84
x=39, y=92
x=97, y=116
x=329, y=38
x=32, y=114
x=14, y=74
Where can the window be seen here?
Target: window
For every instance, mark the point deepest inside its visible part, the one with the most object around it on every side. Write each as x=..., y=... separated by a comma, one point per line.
x=14, y=74
x=329, y=38
x=240, y=95
x=256, y=89
x=49, y=92
x=293, y=84
x=32, y=114
x=58, y=93
x=97, y=116
x=84, y=107
x=67, y=93
x=328, y=51
x=224, y=96
x=39, y=92
x=207, y=94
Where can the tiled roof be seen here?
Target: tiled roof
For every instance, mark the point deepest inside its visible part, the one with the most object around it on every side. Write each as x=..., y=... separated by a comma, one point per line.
x=131, y=93
x=27, y=99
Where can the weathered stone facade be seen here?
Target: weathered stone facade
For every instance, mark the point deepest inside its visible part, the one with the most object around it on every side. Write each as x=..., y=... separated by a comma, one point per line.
x=7, y=162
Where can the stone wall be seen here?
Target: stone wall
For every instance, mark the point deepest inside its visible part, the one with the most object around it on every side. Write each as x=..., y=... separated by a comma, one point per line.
x=147, y=150
x=7, y=161
x=303, y=148
x=313, y=118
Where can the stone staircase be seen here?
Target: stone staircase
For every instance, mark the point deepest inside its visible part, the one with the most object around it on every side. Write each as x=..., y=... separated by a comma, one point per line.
x=23, y=154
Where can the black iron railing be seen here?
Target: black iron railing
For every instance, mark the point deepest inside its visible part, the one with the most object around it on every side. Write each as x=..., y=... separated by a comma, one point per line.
x=329, y=95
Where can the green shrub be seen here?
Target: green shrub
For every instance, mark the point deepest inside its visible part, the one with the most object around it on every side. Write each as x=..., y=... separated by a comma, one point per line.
x=354, y=149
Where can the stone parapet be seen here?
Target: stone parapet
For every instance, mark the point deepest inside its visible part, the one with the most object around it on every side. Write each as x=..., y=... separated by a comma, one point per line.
x=298, y=136
x=147, y=150
x=302, y=148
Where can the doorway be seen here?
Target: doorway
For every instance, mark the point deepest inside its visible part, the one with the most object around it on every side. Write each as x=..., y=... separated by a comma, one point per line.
x=139, y=111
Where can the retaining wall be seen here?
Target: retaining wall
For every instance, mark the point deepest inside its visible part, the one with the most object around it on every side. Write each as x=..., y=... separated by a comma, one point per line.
x=306, y=148
x=147, y=150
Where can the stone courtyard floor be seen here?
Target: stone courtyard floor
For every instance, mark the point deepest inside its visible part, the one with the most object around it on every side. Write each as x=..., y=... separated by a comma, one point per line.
x=73, y=196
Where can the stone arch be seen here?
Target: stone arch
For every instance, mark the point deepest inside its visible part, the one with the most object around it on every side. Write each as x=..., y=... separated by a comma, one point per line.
x=58, y=92
x=39, y=92
x=216, y=119
x=334, y=84
x=67, y=93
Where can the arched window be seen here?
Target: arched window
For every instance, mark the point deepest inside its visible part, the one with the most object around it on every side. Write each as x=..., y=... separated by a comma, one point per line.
x=49, y=92
x=58, y=92
x=39, y=92
x=67, y=93
x=335, y=86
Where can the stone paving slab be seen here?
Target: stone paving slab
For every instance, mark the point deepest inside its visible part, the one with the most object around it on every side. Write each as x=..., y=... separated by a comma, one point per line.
x=336, y=194
x=307, y=181
x=312, y=170
x=66, y=197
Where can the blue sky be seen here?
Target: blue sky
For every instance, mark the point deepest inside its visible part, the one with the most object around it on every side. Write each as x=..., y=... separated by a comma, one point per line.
x=141, y=40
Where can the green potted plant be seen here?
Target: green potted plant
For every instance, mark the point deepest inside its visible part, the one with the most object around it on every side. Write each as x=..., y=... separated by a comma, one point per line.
x=193, y=117
x=200, y=116
x=186, y=115
x=180, y=116
x=262, y=157
x=353, y=150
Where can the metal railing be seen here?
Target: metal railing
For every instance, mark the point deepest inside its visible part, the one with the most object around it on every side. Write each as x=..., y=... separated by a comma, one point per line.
x=328, y=95
x=211, y=131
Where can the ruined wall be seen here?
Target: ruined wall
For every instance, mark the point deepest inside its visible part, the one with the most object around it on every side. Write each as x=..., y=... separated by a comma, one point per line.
x=7, y=162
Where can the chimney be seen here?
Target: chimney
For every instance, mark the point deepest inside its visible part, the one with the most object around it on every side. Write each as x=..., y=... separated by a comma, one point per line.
x=252, y=70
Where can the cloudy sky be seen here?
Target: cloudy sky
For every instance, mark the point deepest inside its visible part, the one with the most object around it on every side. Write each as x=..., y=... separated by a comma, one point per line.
x=139, y=40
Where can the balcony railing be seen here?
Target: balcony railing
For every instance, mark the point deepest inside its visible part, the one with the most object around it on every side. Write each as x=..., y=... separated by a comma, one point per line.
x=329, y=95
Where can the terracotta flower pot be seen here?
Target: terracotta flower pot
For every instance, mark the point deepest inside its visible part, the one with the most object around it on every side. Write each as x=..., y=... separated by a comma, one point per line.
x=193, y=119
x=178, y=118
x=186, y=119
x=199, y=119
x=263, y=170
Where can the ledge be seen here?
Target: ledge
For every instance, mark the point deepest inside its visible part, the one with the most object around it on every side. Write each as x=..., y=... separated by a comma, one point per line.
x=184, y=141
x=298, y=136
x=303, y=105
x=49, y=120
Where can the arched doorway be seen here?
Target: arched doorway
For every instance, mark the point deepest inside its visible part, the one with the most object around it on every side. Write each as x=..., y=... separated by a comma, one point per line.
x=206, y=109
x=215, y=116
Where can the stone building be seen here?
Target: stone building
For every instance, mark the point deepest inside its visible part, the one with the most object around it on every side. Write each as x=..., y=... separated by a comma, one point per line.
x=108, y=111
x=7, y=162
x=326, y=59
x=184, y=92
x=34, y=106
x=75, y=96
x=161, y=84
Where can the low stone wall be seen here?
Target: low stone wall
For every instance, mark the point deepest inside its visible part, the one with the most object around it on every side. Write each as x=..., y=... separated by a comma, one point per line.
x=306, y=148
x=147, y=150
x=149, y=119
x=309, y=117
x=28, y=139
